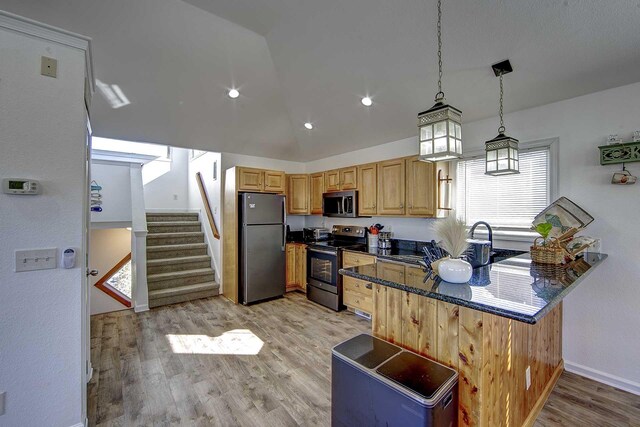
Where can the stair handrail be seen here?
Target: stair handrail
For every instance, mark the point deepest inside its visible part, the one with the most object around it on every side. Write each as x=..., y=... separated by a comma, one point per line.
x=207, y=205
x=139, y=288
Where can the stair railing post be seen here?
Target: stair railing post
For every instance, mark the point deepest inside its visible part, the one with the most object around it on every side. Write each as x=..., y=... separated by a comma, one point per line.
x=139, y=291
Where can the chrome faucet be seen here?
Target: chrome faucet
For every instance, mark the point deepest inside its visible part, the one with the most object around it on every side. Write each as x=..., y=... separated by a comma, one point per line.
x=473, y=229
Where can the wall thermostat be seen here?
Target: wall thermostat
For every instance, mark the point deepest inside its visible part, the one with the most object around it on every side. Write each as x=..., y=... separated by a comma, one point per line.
x=20, y=186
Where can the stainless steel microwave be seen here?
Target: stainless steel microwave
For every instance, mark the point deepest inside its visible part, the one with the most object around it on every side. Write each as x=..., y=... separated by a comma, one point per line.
x=342, y=204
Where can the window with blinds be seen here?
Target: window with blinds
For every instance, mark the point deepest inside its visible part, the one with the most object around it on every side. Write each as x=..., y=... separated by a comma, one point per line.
x=509, y=201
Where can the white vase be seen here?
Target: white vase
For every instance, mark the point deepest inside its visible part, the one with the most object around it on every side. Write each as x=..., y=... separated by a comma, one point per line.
x=455, y=270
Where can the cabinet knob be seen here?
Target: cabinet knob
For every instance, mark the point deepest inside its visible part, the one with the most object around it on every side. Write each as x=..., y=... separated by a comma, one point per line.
x=401, y=205
x=368, y=286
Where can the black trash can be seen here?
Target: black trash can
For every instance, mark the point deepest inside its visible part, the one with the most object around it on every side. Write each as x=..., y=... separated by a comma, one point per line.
x=375, y=383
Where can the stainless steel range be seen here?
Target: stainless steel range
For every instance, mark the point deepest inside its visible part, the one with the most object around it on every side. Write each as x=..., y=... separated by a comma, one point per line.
x=324, y=259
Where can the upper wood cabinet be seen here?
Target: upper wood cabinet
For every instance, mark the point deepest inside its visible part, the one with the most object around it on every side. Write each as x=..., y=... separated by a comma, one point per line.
x=422, y=188
x=298, y=194
x=317, y=188
x=391, y=187
x=250, y=179
x=368, y=189
x=349, y=178
x=332, y=180
x=260, y=180
x=274, y=181
x=341, y=179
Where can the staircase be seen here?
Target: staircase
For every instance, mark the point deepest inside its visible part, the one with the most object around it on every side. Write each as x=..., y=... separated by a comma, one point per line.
x=178, y=265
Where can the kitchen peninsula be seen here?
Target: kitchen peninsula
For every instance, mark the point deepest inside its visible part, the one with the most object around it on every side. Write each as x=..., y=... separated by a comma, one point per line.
x=502, y=331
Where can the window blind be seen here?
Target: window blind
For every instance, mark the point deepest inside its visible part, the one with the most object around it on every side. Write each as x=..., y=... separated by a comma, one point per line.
x=509, y=201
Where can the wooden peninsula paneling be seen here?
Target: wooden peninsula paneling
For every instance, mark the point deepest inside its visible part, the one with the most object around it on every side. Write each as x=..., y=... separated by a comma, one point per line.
x=491, y=353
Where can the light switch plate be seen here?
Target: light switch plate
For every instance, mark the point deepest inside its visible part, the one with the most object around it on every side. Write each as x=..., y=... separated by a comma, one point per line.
x=49, y=67
x=36, y=259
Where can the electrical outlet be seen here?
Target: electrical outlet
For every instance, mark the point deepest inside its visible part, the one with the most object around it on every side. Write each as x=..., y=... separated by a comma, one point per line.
x=49, y=67
x=527, y=377
x=2, y=399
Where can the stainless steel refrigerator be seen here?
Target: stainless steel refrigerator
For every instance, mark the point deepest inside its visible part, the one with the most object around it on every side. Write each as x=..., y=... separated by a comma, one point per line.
x=262, y=246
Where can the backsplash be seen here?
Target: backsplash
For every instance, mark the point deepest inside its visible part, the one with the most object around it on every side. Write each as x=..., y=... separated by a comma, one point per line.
x=402, y=228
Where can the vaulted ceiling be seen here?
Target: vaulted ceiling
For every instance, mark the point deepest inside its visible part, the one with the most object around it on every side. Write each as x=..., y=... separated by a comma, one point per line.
x=295, y=61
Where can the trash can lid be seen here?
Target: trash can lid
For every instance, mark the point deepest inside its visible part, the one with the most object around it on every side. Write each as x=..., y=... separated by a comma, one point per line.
x=420, y=375
x=366, y=350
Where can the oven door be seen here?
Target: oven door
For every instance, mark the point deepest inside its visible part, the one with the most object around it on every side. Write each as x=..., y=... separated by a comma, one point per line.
x=322, y=269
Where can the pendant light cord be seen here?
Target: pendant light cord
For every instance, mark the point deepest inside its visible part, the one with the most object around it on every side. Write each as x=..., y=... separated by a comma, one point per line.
x=440, y=94
x=501, y=129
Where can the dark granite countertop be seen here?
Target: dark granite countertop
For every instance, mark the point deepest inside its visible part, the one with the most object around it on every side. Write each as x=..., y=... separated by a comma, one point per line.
x=514, y=288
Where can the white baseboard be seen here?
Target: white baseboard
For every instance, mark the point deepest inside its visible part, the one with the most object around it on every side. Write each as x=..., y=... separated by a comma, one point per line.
x=141, y=308
x=603, y=377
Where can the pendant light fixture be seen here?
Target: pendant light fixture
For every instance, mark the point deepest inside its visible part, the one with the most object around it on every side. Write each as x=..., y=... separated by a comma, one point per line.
x=502, y=151
x=439, y=128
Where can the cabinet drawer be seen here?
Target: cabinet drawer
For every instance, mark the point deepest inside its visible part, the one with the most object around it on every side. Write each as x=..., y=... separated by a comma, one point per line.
x=357, y=300
x=357, y=286
x=352, y=259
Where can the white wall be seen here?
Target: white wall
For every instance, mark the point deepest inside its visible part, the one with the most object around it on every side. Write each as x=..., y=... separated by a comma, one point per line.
x=107, y=247
x=204, y=165
x=165, y=183
x=42, y=135
x=114, y=178
x=601, y=316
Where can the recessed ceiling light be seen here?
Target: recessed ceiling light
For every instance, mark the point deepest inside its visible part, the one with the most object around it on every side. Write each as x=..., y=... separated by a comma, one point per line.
x=308, y=125
x=366, y=101
x=233, y=93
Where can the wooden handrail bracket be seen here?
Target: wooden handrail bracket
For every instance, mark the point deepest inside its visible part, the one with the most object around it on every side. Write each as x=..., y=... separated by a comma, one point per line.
x=207, y=205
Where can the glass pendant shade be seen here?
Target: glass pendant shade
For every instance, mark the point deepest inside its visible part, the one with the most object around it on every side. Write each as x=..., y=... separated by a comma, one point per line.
x=440, y=133
x=502, y=155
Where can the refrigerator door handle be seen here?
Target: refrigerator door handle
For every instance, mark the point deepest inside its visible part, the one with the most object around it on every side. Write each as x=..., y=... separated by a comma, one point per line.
x=284, y=224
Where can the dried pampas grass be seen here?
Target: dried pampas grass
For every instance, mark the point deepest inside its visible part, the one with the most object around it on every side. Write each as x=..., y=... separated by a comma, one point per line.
x=452, y=233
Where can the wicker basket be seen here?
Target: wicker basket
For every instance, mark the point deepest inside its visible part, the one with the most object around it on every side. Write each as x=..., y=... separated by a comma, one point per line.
x=551, y=253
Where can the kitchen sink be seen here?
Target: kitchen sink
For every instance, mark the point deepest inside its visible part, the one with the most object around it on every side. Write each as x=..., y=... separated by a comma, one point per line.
x=498, y=254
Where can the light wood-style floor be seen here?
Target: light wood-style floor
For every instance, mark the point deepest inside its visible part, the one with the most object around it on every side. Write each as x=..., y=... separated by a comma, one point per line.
x=168, y=367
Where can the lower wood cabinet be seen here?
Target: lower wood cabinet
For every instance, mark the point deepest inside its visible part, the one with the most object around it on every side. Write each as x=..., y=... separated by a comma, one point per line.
x=296, y=266
x=357, y=294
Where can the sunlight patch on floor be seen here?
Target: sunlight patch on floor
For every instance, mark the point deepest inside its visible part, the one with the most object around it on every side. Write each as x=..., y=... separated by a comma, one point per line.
x=241, y=342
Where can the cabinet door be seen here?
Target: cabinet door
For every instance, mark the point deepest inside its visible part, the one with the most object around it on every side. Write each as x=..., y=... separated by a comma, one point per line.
x=298, y=194
x=391, y=187
x=391, y=271
x=274, y=181
x=422, y=188
x=317, y=188
x=250, y=179
x=291, y=278
x=301, y=266
x=332, y=180
x=368, y=189
x=349, y=178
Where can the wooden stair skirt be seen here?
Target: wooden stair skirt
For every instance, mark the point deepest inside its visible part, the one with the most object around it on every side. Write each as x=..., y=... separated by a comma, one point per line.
x=178, y=264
